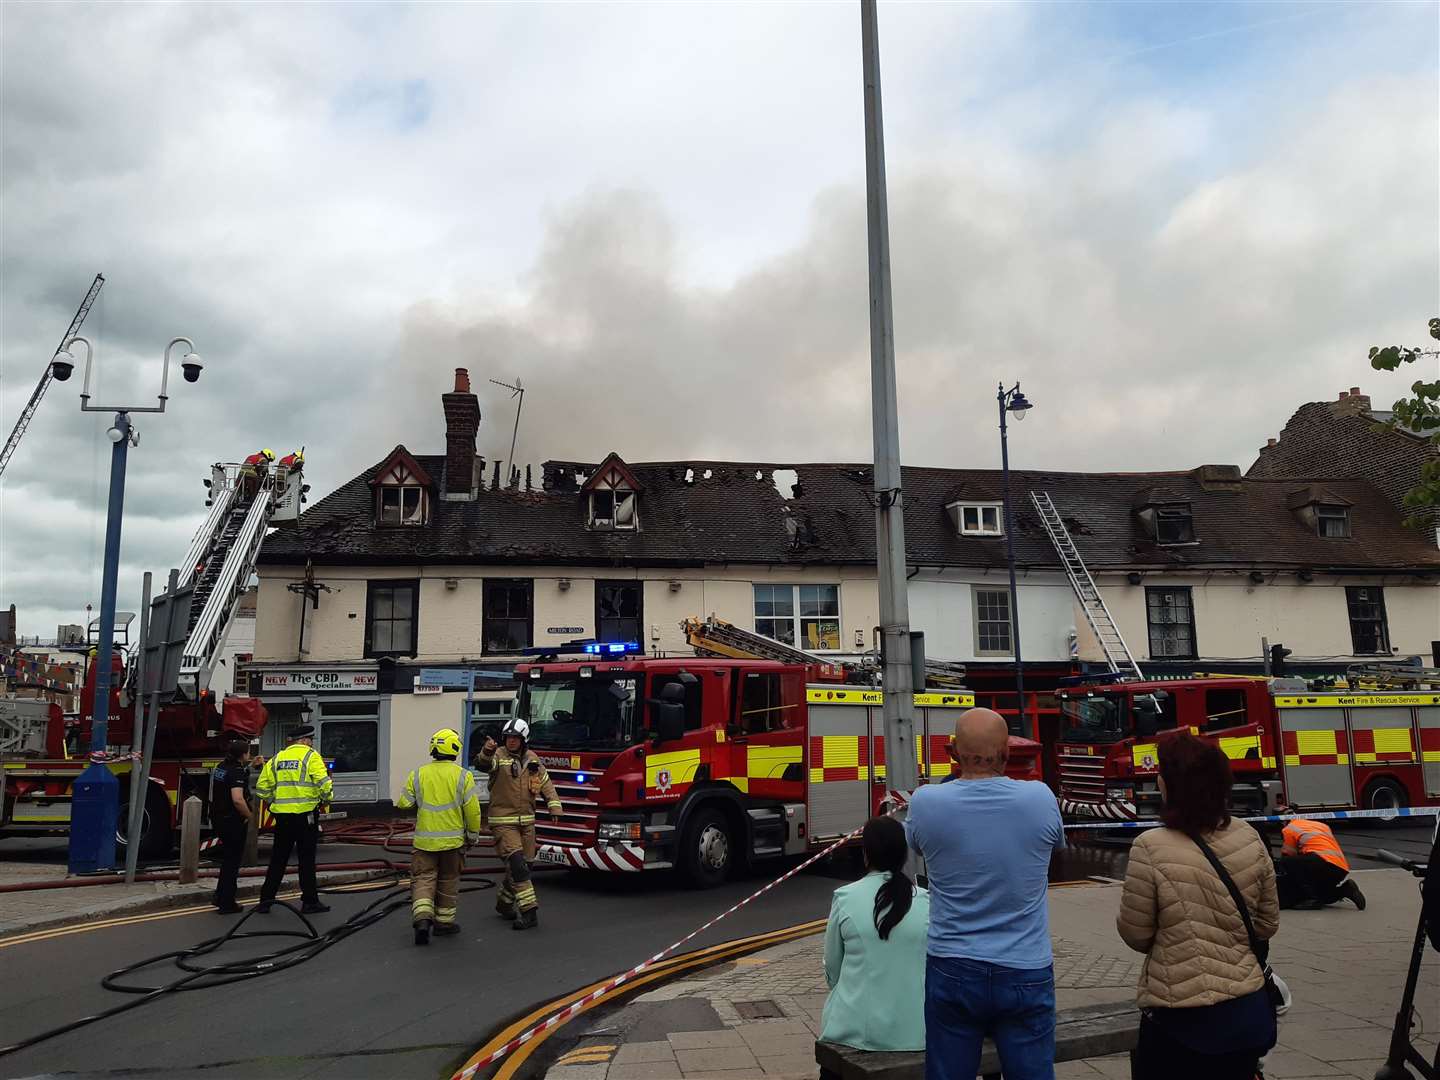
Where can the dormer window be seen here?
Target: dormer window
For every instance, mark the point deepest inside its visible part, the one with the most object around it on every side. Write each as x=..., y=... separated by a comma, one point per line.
x=977, y=519
x=612, y=495
x=1332, y=521
x=402, y=491
x=1174, y=525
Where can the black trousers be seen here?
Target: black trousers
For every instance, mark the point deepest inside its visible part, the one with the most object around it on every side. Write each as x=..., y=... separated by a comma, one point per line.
x=1160, y=1057
x=1303, y=879
x=231, y=832
x=293, y=832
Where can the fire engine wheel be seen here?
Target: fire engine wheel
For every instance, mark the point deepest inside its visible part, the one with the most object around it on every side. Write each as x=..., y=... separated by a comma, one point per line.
x=708, y=849
x=1382, y=793
x=155, y=838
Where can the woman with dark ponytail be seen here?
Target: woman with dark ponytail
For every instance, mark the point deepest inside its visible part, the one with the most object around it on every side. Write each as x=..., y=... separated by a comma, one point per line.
x=875, y=950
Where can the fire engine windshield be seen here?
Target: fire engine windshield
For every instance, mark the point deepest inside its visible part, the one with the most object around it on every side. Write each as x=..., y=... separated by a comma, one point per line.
x=1094, y=719
x=567, y=712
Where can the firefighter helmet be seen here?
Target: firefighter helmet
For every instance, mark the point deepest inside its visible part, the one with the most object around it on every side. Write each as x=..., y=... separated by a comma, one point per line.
x=269, y=454
x=446, y=743
x=516, y=726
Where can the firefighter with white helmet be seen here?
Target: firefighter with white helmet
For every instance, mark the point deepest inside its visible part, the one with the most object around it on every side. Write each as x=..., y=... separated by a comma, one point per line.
x=447, y=821
x=517, y=779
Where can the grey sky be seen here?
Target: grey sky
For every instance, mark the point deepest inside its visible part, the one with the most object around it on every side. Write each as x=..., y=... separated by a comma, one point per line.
x=1173, y=222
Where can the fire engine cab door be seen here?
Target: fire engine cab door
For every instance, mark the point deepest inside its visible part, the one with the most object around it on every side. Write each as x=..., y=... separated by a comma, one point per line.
x=838, y=766
x=1316, y=757
x=767, y=742
x=1429, y=716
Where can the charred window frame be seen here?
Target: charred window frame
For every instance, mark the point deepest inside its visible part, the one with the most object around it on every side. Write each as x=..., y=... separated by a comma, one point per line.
x=619, y=610
x=1170, y=613
x=507, y=619
x=400, y=504
x=614, y=509
x=1369, y=629
x=1174, y=524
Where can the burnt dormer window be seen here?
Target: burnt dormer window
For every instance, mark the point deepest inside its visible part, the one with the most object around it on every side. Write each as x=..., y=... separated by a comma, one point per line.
x=402, y=491
x=612, y=495
x=1332, y=521
x=1174, y=524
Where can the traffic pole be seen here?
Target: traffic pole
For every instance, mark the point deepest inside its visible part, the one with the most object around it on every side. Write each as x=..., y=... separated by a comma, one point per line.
x=137, y=735
x=901, y=764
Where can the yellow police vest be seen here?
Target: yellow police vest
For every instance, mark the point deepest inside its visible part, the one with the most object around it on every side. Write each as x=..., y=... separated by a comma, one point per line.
x=295, y=781
x=448, y=810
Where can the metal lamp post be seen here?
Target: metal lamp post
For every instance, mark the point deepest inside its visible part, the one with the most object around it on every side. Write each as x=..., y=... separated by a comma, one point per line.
x=94, y=806
x=1013, y=402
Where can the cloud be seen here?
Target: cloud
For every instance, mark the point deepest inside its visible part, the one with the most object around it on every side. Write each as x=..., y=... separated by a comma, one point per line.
x=1172, y=225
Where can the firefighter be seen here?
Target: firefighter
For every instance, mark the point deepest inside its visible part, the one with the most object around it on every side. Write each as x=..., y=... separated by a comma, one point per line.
x=1312, y=870
x=447, y=821
x=516, y=779
x=293, y=461
x=253, y=470
x=297, y=786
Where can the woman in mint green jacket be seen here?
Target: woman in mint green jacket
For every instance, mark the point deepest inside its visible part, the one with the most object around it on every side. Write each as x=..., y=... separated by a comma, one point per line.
x=875, y=950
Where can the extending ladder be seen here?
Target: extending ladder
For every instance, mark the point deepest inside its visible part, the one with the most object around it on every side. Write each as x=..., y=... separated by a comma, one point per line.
x=1112, y=642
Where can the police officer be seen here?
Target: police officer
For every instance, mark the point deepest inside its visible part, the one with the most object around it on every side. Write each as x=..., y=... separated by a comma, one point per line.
x=297, y=786
x=516, y=779
x=230, y=818
x=447, y=821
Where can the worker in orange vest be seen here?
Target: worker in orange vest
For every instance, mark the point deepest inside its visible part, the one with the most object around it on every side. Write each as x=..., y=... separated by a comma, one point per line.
x=1312, y=870
x=293, y=461
x=253, y=470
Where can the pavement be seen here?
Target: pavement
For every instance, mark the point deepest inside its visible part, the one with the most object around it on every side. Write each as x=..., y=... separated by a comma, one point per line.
x=759, y=1016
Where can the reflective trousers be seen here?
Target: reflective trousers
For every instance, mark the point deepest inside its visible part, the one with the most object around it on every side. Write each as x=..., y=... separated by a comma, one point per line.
x=515, y=846
x=435, y=884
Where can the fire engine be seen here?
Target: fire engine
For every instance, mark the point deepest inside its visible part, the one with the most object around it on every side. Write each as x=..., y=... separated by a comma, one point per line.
x=704, y=762
x=1290, y=743
x=39, y=768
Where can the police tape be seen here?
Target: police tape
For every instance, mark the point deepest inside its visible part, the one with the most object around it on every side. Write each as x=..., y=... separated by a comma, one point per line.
x=896, y=800
x=1324, y=815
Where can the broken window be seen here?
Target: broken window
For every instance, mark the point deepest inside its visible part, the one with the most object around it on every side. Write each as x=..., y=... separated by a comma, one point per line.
x=1174, y=525
x=507, y=615
x=1369, y=634
x=612, y=508
x=402, y=504
x=1171, y=617
x=619, y=611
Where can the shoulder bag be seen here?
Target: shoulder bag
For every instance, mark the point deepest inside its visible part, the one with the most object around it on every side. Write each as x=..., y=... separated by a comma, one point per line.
x=1261, y=949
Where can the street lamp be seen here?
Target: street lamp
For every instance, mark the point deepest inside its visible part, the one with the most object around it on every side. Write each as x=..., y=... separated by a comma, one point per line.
x=1014, y=403
x=95, y=799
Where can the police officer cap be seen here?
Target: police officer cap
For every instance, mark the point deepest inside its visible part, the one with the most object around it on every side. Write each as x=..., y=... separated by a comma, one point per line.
x=304, y=731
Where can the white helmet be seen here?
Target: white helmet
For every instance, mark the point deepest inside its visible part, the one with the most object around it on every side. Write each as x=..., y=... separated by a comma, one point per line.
x=516, y=726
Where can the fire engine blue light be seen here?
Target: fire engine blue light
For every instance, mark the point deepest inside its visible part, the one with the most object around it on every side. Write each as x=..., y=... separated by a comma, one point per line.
x=579, y=777
x=610, y=648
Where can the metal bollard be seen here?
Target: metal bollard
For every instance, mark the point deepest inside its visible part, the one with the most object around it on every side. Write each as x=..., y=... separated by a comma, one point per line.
x=190, y=841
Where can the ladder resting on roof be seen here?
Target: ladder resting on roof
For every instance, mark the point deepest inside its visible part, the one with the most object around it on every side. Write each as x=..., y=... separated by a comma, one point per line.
x=1112, y=642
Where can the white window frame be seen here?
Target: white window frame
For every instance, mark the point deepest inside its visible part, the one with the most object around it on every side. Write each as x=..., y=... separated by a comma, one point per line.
x=1009, y=619
x=1332, y=512
x=795, y=618
x=417, y=518
x=979, y=508
x=613, y=523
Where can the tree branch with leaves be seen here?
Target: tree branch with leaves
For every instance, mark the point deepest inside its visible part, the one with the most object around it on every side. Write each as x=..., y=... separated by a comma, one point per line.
x=1420, y=413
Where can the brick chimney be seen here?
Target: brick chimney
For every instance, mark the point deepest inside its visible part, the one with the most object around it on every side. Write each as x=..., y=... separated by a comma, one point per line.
x=462, y=424
x=1351, y=403
x=1269, y=445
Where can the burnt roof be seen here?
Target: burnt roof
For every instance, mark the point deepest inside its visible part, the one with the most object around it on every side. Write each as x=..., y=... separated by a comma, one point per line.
x=694, y=513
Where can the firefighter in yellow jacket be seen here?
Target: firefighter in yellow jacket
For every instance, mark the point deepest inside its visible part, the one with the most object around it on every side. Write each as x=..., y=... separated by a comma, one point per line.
x=447, y=821
x=516, y=779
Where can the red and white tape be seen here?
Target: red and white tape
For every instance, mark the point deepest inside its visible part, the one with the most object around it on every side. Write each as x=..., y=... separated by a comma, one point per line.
x=898, y=801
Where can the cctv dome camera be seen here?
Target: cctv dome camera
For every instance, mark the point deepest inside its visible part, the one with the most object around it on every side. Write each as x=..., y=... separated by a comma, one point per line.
x=191, y=366
x=62, y=367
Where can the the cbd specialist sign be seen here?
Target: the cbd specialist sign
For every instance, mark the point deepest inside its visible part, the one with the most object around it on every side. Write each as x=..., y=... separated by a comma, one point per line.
x=319, y=680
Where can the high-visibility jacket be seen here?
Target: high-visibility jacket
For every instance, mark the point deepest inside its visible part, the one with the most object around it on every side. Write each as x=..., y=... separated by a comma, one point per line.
x=295, y=780
x=515, y=783
x=448, y=810
x=1302, y=837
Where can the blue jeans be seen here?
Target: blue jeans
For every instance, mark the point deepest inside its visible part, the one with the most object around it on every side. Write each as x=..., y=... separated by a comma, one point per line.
x=966, y=1000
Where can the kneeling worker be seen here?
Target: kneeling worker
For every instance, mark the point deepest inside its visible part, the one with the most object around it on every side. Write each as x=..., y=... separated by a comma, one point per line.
x=1312, y=870
x=516, y=779
x=447, y=821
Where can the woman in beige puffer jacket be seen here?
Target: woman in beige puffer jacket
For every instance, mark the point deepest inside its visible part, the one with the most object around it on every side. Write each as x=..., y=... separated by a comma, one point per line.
x=1202, y=992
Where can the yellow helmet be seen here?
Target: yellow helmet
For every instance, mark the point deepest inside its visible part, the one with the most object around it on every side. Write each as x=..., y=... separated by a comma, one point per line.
x=269, y=454
x=298, y=456
x=446, y=743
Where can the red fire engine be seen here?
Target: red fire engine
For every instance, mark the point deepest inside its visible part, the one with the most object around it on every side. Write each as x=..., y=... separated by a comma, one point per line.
x=703, y=762
x=1288, y=744
x=39, y=770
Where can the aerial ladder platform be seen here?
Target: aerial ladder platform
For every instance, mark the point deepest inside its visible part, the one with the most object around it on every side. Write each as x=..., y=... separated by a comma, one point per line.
x=1102, y=623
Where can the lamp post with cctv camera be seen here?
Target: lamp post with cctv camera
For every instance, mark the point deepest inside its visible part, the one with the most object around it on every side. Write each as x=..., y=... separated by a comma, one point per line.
x=95, y=799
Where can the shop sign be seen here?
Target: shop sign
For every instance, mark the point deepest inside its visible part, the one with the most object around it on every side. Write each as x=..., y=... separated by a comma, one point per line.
x=319, y=680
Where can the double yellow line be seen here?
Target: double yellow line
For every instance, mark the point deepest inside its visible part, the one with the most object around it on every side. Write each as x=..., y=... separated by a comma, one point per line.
x=713, y=954
x=155, y=916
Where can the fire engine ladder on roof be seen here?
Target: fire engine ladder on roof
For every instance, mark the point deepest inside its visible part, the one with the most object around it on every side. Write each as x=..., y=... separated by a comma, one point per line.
x=1112, y=642
x=1392, y=676
x=222, y=561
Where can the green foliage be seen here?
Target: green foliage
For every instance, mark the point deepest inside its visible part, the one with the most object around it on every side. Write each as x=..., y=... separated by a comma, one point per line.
x=1420, y=413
